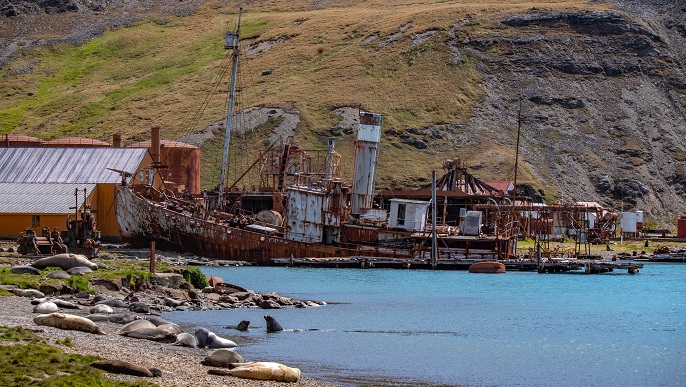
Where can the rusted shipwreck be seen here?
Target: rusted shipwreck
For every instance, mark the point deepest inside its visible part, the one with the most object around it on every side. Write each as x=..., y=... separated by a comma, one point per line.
x=304, y=210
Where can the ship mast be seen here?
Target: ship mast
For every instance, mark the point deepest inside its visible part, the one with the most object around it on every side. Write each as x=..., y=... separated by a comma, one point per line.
x=230, y=43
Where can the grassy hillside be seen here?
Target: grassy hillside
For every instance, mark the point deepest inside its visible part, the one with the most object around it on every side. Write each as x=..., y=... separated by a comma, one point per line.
x=349, y=53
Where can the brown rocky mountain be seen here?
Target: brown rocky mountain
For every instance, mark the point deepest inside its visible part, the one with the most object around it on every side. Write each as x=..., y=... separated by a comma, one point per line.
x=601, y=93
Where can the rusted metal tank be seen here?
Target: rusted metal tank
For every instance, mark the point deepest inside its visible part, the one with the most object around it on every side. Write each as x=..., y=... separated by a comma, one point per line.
x=183, y=161
x=75, y=142
x=18, y=140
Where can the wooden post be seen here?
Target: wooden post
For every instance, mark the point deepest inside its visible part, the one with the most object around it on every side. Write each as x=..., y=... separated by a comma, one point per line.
x=152, y=256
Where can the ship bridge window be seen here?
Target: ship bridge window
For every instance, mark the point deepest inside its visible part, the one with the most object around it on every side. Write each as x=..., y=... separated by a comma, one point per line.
x=401, y=214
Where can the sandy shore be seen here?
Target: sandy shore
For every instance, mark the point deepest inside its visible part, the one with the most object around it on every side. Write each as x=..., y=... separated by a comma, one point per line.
x=180, y=365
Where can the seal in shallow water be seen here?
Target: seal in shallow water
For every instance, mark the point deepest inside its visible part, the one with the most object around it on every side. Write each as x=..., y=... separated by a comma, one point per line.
x=68, y=321
x=272, y=324
x=208, y=339
x=122, y=367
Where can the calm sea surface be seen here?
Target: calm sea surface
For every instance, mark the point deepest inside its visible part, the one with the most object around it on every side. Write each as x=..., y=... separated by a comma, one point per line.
x=415, y=327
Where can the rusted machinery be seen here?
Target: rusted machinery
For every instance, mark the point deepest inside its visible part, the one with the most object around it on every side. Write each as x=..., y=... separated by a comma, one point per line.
x=49, y=243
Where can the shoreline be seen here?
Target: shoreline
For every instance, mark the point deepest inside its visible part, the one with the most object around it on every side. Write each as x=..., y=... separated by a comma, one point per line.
x=180, y=365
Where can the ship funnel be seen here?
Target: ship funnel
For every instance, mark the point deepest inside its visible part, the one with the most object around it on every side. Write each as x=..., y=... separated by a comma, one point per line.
x=366, y=148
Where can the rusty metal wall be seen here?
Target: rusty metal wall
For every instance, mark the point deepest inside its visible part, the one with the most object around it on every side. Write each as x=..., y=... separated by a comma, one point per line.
x=183, y=161
x=304, y=221
x=366, y=148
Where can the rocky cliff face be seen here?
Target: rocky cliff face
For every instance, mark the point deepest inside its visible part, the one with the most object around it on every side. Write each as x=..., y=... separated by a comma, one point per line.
x=602, y=100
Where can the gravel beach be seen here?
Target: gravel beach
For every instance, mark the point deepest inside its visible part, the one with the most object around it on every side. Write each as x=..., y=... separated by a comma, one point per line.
x=180, y=365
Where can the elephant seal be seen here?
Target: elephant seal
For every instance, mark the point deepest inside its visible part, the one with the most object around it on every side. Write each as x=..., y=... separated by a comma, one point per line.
x=157, y=320
x=186, y=340
x=153, y=334
x=24, y=269
x=28, y=293
x=68, y=321
x=139, y=307
x=113, y=302
x=101, y=309
x=45, y=307
x=136, y=324
x=64, y=262
x=242, y=326
x=79, y=270
x=122, y=367
x=64, y=304
x=172, y=303
x=117, y=318
x=98, y=298
x=58, y=274
x=261, y=370
x=208, y=339
x=222, y=358
x=171, y=328
x=272, y=324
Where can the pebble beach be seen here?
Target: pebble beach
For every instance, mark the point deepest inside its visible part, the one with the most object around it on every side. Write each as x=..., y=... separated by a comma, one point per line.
x=180, y=365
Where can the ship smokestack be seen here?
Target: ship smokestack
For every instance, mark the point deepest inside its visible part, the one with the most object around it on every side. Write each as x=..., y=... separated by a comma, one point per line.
x=116, y=140
x=366, y=148
x=155, y=144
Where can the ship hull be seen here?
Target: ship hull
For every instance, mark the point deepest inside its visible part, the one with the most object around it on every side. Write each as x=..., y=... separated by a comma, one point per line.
x=142, y=220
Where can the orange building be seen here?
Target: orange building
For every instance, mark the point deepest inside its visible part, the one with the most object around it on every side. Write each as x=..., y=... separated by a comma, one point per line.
x=41, y=186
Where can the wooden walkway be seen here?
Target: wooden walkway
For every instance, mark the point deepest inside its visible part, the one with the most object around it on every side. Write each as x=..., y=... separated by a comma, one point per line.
x=588, y=266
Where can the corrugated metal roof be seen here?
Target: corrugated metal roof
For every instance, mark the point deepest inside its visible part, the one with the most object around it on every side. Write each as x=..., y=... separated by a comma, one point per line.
x=51, y=198
x=67, y=165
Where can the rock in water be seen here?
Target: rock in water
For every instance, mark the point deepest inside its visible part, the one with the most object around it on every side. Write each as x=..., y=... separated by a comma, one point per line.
x=68, y=321
x=65, y=262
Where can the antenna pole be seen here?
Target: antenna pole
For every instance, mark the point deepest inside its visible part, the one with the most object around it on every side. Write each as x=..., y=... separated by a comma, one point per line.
x=232, y=44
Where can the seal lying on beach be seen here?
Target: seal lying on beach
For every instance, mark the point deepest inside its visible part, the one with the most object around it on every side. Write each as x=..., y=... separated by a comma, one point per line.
x=171, y=328
x=114, y=303
x=186, y=340
x=45, y=307
x=136, y=324
x=222, y=358
x=27, y=293
x=79, y=270
x=58, y=274
x=119, y=318
x=261, y=370
x=59, y=302
x=153, y=334
x=24, y=269
x=157, y=320
x=101, y=309
x=272, y=324
x=208, y=339
x=122, y=367
x=65, y=262
x=68, y=321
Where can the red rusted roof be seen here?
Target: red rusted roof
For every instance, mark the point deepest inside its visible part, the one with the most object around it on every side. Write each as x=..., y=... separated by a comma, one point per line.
x=163, y=144
x=76, y=141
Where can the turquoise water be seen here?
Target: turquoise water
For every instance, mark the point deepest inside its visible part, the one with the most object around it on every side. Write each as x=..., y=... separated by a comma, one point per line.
x=415, y=327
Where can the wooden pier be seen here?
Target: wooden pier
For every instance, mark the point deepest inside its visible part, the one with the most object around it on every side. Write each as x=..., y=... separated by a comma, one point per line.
x=588, y=266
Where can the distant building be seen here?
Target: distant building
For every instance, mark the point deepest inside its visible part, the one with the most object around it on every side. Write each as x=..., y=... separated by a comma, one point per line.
x=38, y=185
